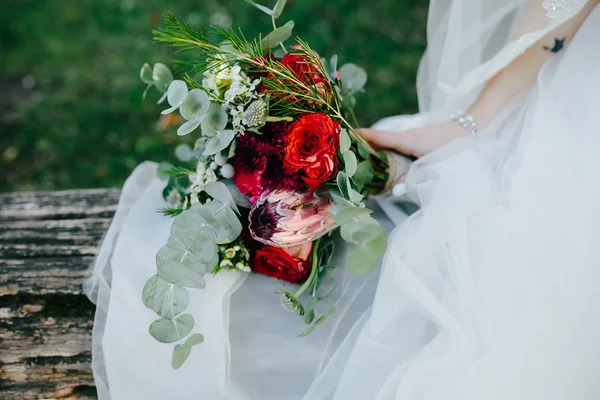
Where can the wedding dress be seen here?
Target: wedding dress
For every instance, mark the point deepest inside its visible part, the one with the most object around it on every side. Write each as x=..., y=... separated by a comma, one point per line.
x=489, y=291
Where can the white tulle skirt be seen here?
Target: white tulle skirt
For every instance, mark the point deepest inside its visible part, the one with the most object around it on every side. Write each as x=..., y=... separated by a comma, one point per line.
x=489, y=291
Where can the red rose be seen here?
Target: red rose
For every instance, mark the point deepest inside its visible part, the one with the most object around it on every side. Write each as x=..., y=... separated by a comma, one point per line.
x=306, y=71
x=311, y=148
x=279, y=263
x=303, y=68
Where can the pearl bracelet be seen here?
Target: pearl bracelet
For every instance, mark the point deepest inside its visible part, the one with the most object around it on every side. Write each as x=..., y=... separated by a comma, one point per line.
x=467, y=122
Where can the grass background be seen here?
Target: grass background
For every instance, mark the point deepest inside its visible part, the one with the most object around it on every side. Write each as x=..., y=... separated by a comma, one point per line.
x=71, y=108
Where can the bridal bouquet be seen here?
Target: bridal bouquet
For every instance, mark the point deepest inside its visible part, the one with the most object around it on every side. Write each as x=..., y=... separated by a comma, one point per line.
x=276, y=171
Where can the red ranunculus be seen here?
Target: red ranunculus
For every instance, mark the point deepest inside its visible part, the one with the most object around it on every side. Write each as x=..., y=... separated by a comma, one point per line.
x=279, y=263
x=311, y=148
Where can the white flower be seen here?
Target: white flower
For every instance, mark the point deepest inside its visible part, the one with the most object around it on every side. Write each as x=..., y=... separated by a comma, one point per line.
x=226, y=264
x=230, y=253
x=242, y=267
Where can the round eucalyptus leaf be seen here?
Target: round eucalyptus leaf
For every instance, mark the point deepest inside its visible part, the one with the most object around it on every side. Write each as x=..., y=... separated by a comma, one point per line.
x=353, y=77
x=364, y=173
x=362, y=231
x=343, y=184
x=277, y=36
x=181, y=352
x=171, y=330
x=218, y=142
x=350, y=163
x=188, y=127
x=162, y=76
x=181, y=274
x=345, y=141
x=165, y=299
x=146, y=74
x=278, y=9
x=195, y=339
x=215, y=121
x=238, y=197
x=227, y=227
x=347, y=214
x=195, y=106
x=355, y=197
x=218, y=191
x=177, y=93
x=363, y=260
x=184, y=152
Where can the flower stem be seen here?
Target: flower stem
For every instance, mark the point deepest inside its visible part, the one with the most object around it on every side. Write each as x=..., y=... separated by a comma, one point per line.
x=313, y=271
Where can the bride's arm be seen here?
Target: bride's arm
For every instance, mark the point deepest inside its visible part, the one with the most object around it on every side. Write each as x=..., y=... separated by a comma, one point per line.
x=497, y=93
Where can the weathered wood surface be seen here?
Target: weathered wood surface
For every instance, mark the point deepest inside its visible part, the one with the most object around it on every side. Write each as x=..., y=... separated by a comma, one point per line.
x=47, y=242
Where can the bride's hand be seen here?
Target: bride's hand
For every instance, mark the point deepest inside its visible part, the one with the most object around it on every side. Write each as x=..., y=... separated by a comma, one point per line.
x=415, y=142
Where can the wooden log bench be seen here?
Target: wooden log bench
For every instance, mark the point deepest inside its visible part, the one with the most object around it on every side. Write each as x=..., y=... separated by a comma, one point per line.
x=47, y=242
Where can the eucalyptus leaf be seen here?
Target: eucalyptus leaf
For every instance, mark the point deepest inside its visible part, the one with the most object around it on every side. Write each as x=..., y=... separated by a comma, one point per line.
x=213, y=220
x=214, y=121
x=188, y=127
x=162, y=77
x=353, y=77
x=364, y=173
x=219, y=142
x=184, y=152
x=232, y=147
x=278, y=9
x=277, y=36
x=181, y=274
x=333, y=65
x=228, y=226
x=345, y=141
x=146, y=74
x=348, y=214
x=195, y=106
x=165, y=299
x=343, y=184
x=363, y=150
x=171, y=330
x=238, y=197
x=261, y=8
x=350, y=163
x=362, y=261
x=181, y=352
x=343, y=201
x=219, y=191
x=361, y=231
x=355, y=197
x=176, y=95
x=194, y=340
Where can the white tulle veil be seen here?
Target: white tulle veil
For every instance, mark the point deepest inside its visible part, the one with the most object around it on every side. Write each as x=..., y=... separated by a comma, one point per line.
x=469, y=41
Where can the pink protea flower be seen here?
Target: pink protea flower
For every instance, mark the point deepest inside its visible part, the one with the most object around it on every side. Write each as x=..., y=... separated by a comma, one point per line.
x=284, y=219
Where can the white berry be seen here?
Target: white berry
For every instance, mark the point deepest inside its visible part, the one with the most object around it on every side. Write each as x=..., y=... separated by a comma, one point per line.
x=227, y=171
x=220, y=160
x=214, y=166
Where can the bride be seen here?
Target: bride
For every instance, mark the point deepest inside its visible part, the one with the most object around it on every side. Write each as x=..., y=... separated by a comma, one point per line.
x=489, y=291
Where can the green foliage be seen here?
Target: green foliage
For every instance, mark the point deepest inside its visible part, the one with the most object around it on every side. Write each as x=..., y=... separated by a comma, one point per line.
x=84, y=122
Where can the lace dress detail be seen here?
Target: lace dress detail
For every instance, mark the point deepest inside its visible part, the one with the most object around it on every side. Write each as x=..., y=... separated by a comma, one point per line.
x=556, y=8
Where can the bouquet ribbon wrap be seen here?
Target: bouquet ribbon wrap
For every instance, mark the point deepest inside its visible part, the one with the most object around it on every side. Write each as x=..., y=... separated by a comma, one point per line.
x=398, y=166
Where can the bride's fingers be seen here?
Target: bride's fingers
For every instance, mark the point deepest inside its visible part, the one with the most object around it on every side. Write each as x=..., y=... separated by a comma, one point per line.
x=378, y=138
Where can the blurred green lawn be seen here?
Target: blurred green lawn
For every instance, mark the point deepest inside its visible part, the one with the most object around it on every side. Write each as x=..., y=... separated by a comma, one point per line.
x=71, y=108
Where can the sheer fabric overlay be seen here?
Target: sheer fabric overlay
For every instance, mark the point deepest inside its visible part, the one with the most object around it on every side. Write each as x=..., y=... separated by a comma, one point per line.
x=480, y=295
